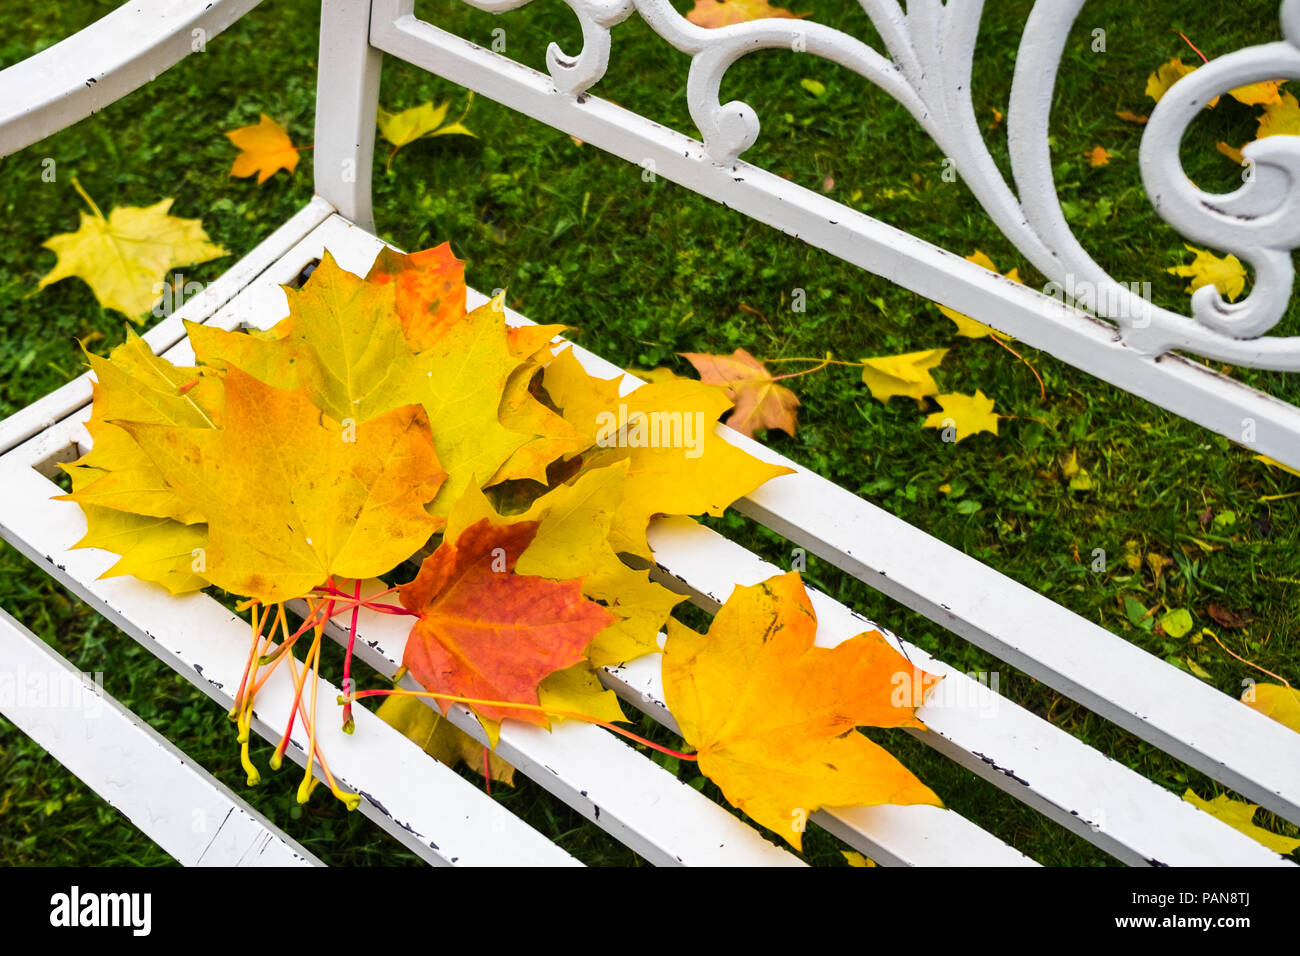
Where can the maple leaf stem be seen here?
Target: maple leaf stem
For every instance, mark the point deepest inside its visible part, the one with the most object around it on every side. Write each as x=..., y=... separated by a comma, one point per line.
x=487, y=770
x=1204, y=58
x=1042, y=391
x=550, y=712
x=348, y=725
x=86, y=196
x=1262, y=670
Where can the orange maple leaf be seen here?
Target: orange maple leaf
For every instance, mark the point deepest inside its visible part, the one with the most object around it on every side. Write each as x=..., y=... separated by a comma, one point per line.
x=1097, y=156
x=772, y=716
x=430, y=290
x=266, y=149
x=723, y=13
x=488, y=633
x=760, y=402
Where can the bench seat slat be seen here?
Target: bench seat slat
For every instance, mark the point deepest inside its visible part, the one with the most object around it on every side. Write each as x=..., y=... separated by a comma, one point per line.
x=174, y=801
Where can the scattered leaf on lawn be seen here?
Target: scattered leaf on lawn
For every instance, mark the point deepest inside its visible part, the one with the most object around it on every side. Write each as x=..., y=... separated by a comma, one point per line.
x=1097, y=156
x=1165, y=76
x=125, y=257
x=722, y=13
x=266, y=148
x=1277, y=701
x=760, y=402
x=1177, y=622
x=1240, y=815
x=907, y=374
x=1230, y=619
x=968, y=414
x=1225, y=274
x=1280, y=118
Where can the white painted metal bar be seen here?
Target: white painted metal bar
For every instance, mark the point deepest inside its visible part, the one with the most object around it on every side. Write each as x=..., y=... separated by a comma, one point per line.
x=1180, y=385
x=173, y=801
x=50, y=408
x=110, y=58
x=347, y=94
x=426, y=806
x=1098, y=798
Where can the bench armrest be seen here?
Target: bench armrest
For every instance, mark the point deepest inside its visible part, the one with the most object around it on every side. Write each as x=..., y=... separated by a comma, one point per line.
x=110, y=58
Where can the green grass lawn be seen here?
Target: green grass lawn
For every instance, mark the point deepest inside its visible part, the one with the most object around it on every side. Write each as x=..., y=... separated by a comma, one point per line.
x=644, y=270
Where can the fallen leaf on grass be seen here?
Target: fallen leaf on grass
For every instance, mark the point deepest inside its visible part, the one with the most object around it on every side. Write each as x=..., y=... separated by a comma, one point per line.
x=760, y=402
x=907, y=374
x=125, y=257
x=1226, y=274
x=265, y=148
x=1281, y=118
x=1229, y=619
x=966, y=414
x=722, y=13
x=1166, y=75
x=1097, y=156
x=1240, y=815
x=1277, y=701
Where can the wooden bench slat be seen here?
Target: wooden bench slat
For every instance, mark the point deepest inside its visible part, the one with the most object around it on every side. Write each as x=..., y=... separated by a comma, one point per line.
x=174, y=801
x=429, y=808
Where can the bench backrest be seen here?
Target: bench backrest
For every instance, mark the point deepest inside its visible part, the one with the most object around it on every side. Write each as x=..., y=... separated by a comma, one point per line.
x=1084, y=316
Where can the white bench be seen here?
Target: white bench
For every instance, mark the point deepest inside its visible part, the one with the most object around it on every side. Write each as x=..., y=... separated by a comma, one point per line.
x=444, y=818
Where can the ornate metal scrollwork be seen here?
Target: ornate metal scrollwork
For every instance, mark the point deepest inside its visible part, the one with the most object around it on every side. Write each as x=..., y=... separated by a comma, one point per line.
x=926, y=67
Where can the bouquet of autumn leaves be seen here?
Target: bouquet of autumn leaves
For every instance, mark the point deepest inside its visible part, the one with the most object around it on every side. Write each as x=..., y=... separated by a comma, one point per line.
x=381, y=422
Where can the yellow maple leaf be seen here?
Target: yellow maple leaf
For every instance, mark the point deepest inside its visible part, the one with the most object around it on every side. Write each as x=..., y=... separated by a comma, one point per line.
x=1281, y=118
x=343, y=341
x=1232, y=152
x=854, y=858
x=1240, y=815
x=1226, y=274
x=966, y=414
x=135, y=385
x=966, y=326
x=722, y=13
x=265, y=149
x=406, y=126
x=1166, y=75
x=125, y=256
x=1097, y=156
x=907, y=374
x=772, y=717
x=678, y=463
x=1263, y=93
x=1276, y=701
x=160, y=550
x=291, y=496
